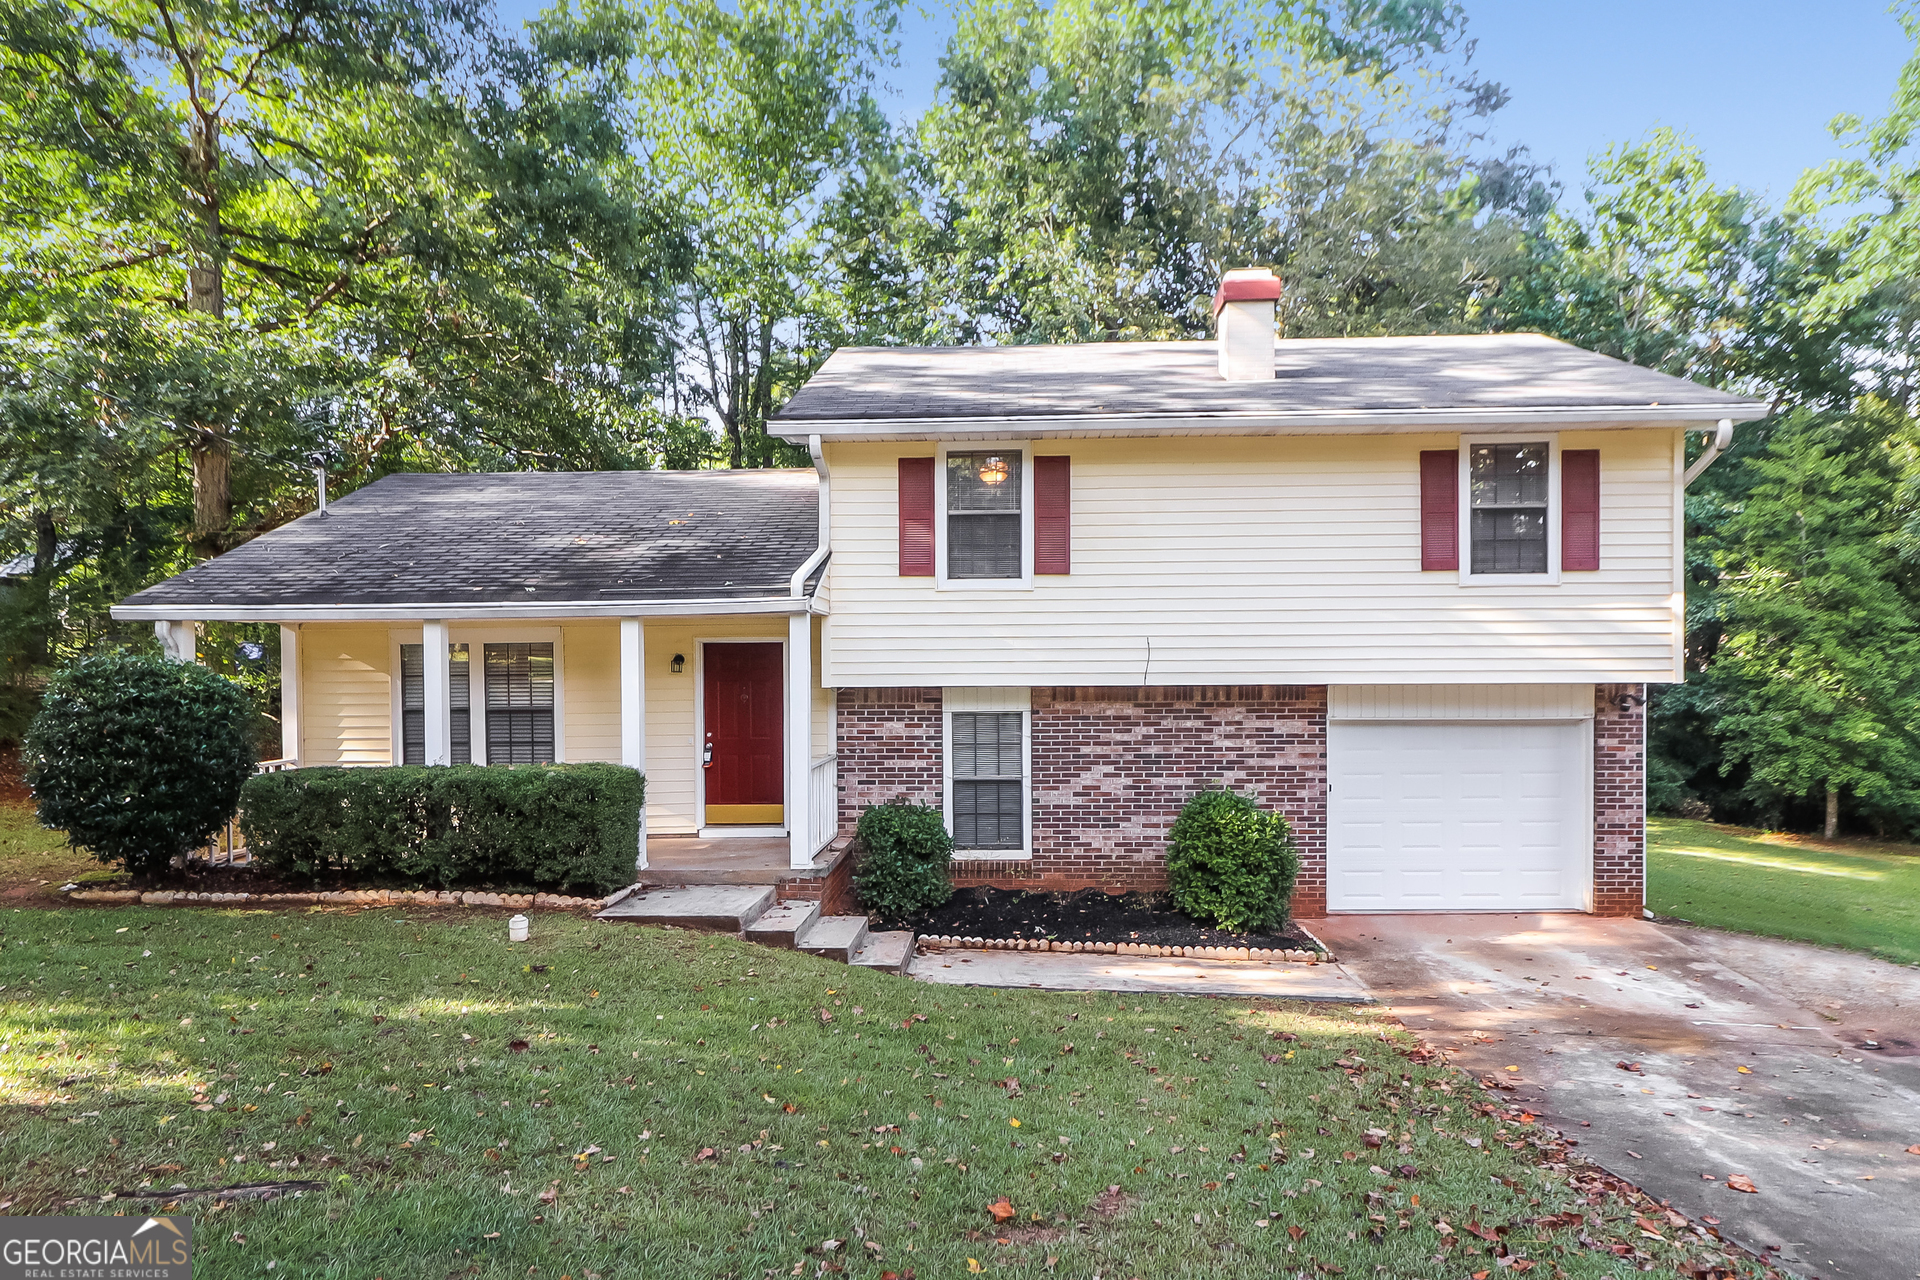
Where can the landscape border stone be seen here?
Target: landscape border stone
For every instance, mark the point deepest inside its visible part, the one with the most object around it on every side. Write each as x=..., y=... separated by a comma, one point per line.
x=945, y=942
x=348, y=897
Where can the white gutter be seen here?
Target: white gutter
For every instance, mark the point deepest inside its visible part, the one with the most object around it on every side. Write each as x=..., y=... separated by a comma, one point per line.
x=1721, y=442
x=798, y=586
x=1343, y=421
x=455, y=611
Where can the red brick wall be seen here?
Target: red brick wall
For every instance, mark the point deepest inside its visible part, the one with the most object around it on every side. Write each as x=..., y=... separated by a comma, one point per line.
x=1112, y=768
x=889, y=747
x=1619, y=799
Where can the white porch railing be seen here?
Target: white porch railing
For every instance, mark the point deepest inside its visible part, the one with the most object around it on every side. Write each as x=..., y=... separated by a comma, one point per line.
x=823, y=801
x=226, y=849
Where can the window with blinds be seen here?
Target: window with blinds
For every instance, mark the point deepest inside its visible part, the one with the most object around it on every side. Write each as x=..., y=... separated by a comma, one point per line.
x=989, y=780
x=413, y=704
x=519, y=703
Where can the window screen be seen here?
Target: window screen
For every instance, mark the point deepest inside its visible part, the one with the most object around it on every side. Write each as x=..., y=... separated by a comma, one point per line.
x=988, y=780
x=1508, y=493
x=983, y=515
x=413, y=704
x=519, y=681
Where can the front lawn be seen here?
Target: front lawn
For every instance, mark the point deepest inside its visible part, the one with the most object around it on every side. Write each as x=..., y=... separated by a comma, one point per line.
x=1865, y=897
x=607, y=1101
x=32, y=857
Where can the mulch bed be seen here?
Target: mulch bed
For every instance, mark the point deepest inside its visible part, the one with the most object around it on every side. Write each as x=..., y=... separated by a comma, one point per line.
x=1090, y=915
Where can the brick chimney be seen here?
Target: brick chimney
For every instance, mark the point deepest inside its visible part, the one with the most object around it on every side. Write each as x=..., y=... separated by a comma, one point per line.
x=1243, y=321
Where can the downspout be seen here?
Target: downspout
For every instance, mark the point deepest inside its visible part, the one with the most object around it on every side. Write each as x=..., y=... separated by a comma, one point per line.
x=798, y=587
x=1721, y=442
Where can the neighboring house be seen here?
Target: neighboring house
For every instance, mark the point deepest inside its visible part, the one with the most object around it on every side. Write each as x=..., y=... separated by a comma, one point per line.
x=1408, y=591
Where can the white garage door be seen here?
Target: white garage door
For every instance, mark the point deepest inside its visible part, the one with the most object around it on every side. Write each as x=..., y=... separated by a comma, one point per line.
x=1457, y=817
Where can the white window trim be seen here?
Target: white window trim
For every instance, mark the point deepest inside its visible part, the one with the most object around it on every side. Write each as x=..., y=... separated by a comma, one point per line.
x=1025, y=581
x=989, y=700
x=1551, y=578
x=704, y=831
x=476, y=639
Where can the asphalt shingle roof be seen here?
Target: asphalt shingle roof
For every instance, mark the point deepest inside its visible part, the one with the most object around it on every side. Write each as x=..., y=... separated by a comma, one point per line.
x=1312, y=376
x=525, y=538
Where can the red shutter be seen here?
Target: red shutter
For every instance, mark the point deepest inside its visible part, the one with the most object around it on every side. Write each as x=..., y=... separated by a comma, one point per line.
x=1053, y=515
x=916, y=517
x=1579, y=509
x=1440, y=509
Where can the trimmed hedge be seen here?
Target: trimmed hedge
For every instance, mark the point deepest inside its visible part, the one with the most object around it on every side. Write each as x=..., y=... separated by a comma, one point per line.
x=563, y=826
x=904, y=850
x=1231, y=863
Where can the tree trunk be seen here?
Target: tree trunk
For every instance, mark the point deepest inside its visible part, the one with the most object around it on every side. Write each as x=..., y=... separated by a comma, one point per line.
x=46, y=554
x=208, y=445
x=1833, y=811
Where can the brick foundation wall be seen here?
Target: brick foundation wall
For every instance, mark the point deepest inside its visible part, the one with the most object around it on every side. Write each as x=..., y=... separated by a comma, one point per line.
x=1112, y=768
x=1619, y=799
x=834, y=891
x=888, y=747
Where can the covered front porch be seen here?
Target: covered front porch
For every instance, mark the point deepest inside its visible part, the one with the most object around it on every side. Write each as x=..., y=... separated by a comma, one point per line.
x=724, y=713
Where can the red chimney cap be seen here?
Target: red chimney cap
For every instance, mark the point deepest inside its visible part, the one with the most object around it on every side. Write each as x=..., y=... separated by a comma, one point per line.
x=1246, y=286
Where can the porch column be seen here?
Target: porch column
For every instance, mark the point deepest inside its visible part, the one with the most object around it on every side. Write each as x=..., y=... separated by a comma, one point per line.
x=438, y=679
x=633, y=711
x=177, y=639
x=290, y=695
x=799, y=752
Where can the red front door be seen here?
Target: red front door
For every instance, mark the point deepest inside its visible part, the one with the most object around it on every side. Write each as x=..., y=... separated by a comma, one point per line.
x=745, y=724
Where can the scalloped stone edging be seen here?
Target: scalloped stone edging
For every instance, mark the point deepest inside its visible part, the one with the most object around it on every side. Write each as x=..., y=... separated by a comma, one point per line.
x=348, y=897
x=945, y=942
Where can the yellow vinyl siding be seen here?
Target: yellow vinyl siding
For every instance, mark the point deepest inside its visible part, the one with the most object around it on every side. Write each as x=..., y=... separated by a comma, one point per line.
x=590, y=688
x=347, y=700
x=1256, y=560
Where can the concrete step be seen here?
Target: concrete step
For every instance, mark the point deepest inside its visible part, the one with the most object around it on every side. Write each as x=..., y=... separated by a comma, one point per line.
x=836, y=937
x=783, y=922
x=888, y=951
x=726, y=908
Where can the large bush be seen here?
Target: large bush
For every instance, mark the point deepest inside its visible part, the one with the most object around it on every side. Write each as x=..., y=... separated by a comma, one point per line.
x=530, y=826
x=903, y=854
x=137, y=758
x=1231, y=863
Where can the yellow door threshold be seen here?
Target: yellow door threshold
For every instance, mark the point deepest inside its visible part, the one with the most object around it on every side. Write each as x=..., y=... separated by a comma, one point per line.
x=746, y=815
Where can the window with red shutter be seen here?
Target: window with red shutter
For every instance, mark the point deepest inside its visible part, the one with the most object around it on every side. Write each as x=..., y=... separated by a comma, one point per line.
x=916, y=517
x=1052, y=515
x=1439, y=509
x=1579, y=509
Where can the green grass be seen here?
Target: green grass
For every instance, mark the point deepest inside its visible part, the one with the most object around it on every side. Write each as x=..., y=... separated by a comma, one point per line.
x=372, y=1052
x=32, y=856
x=1864, y=897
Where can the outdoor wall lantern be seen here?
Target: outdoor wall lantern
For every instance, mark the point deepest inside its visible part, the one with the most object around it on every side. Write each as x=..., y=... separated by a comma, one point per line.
x=678, y=664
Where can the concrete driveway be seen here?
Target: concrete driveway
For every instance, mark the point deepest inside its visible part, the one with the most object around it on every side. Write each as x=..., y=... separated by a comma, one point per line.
x=1818, y=1122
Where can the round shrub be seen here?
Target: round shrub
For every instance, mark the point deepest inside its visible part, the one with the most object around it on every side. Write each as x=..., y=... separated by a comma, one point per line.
x=1231, y=863
x=137, y=758
x=903, y=851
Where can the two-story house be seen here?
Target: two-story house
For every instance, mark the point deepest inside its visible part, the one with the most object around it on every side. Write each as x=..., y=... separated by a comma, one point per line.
x=1408, y=591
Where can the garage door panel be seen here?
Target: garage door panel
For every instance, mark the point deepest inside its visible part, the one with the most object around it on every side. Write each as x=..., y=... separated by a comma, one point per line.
x=1457, y=816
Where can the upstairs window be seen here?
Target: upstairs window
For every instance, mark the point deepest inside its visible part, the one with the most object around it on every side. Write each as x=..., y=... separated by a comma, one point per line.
x=519, y=709
x=983, y=515
x=1507, y=501
x=413, y=704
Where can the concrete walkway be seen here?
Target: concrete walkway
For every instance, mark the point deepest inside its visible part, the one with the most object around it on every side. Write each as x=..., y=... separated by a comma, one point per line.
x=1820, y=1124
x=1064, y=971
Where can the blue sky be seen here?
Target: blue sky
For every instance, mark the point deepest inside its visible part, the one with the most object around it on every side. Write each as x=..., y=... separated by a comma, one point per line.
x=1753, y=81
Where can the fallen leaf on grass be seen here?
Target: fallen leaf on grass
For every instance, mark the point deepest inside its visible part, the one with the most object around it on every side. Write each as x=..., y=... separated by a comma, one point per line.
x=1001, y=1210
x=1741, y=1182
x=1630, y=1066
x=706, y=1153
x=516, y=1046
x=549, y=1196
x=1296, y=1232
x=974, y=1267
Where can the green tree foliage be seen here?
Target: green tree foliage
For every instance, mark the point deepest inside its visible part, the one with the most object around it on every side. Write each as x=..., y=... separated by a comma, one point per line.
x=1092, y=167
x=1231, y=863
x=139, y=759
